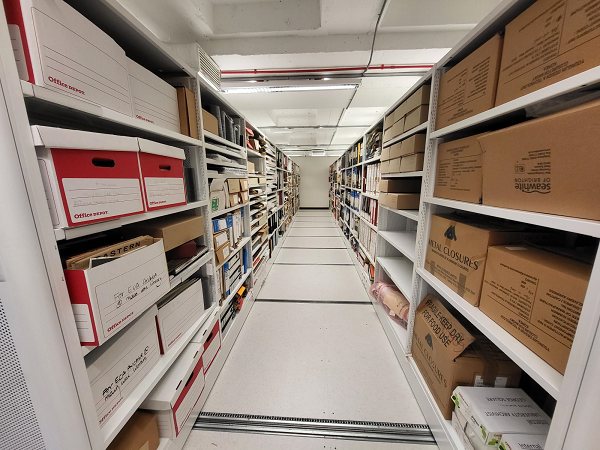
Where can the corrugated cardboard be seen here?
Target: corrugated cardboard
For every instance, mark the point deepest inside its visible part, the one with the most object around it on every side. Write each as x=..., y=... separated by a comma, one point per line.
x=188, y=121
x=400, y=201
x=250, y=166
x=210, y=122
x=222, y=253
x=400, y=185
x=547, y=165
x=385, y=154
x=536, y=296
x=418, y=98
x=469, y=87
x=244, y=196
x=412, y=163
x=385, y=166
x=139, y=433
x=447, y=355
x=394, y=165
x=536, y=54
x=219, y=194
x=459, y=174
x=233, y=185
x=174, y=230
x=220, y=238
x=522, y=442
x=234, y=200
x=416, y=117
x=413, y=144
x=244, y=184
x=394, y=130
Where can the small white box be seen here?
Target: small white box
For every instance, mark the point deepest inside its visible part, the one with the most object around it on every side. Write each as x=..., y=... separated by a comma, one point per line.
x=176, y=395
x=153, y=99
x=466, y=434
x=177, y=315
x=88, y=177
x=117, y=368
x=210, y=339
x=522, y=442
x=58, y=48
x=107, y=298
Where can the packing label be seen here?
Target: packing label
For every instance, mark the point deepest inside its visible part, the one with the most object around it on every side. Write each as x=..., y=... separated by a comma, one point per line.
x=164, y=191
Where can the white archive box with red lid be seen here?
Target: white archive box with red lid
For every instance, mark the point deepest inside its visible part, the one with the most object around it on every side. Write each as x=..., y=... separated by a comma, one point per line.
x=210, y=339
x=161, y=168
x=117, y=368
x=88, y=177
x=176, y=395
x=108, y=297
x=58, y=48
x=153, y=99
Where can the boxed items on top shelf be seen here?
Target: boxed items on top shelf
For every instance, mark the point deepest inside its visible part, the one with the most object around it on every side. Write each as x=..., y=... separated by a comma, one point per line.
x=392, y=300
x=537, y=296
x=448, y=355
x=404, y=156
x=372, y=175
x=175, y=396
x=188, y=121
x=140, y=432
x=408, y=115
x=469, y=87
x=209, y=122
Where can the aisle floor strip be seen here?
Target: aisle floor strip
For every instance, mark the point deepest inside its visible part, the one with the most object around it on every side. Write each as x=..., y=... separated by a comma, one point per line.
x=321, y=302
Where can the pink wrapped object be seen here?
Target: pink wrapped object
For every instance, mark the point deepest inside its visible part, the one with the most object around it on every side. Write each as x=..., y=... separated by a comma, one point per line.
x=392, y=300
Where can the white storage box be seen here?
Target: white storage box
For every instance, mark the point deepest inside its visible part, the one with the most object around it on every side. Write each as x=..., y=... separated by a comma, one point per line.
x=522, y=442
x=161, y=167
x=211, y=342
x=107, y=298
x=466, y=434
x=116, y=368
x=176, y=395
x=177, y=315
x=153, y=100
x=88, y=177
x=58, y=48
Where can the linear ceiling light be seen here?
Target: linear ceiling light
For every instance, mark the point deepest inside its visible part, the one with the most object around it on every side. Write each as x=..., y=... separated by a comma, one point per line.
x=256, y=90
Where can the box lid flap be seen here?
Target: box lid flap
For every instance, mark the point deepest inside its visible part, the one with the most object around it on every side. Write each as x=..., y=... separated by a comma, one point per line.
x=52, y=137
x=156, y=148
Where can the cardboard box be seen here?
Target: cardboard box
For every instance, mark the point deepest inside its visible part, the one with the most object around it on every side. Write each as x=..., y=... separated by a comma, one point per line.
x=253, y=181
x=394, y=130
x=250, y=167
x=393, y=165
x=233, y=185
x=244, y=196
x=234, y=200
x=546, y=165
x=88, y=177
x=469, y=87
x=262, y=180
x=176, y=395
x=139, y=433
x=210, y=339
x=244, y=184
x=400, y=201
x=395, y=151
x=219, y=194
x=536, y=55
x=220, y=238
x=385, y=154
x=222, y=253
x=188, y=121
x=537, y=297
x=416, y=117
x=457, y=251
x=116, y=368
x=493, y=412
x=161, y=167
x=219, y=224
x=385, y=167
x=106, y=298
x=58, y=48
x=153, y=99
x=412, y=145
x=418, y=98
x=459, y=173
x=522, y=442
x=177, y=314
x=400, y=185
x=447, y=355
x=174, y=230
x=412, y=163
x=209, y=122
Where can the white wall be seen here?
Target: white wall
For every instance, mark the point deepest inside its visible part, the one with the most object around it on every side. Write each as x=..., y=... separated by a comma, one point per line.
x=314, y=180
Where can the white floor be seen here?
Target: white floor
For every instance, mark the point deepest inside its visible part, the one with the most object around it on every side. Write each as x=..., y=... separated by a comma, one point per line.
x=312, y=347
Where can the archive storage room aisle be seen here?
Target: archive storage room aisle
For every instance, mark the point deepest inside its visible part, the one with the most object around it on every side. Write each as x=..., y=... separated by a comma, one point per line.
x=313, y=349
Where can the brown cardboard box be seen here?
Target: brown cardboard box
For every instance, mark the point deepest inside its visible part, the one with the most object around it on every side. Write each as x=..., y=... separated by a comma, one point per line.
x=412, y=145
x=244, y=196
x=234, y=199
x=188, y=122
x=416, y=117
x=418, y=98
x=385, y=154
x=222, y=253
x=469, y=87
x=537, y=297
x=140, y=432
x=262, y=180
x=412, y=163
x=459, y=174
x=244, y=184
x=233, y=185
x=174, y=230
x=448, y=356
x=401, y=185
x=385, y=166
x=536, y=55
x=399, y=201
x=218, y=194
x=389, y=120
x=548, y=165
x=253, y=181
x=396, y=150
x=457, y=251
x=210, y=122
x=394, y=165
x=250, y=166
x=221, y=238
x=394, y=130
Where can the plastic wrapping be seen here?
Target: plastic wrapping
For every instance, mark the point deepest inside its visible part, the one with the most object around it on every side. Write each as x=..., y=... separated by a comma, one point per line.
x=392, y=301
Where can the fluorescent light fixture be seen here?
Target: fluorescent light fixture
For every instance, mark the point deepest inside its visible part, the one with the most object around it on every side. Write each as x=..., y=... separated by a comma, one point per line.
x=210, y=83
x=316, y=87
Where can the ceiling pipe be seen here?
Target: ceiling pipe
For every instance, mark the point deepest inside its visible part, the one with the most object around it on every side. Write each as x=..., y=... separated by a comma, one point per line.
x=325, y=70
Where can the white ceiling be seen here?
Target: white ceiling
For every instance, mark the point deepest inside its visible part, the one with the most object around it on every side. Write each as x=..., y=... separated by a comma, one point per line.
x=267, y=35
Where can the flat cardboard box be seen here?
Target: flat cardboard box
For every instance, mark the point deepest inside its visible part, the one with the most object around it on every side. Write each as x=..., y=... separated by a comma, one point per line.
x=522, y=442
x=536, y=55
x=459, y=174
x=121, y=355
x=447, y=355
x=395, y=151
x=250, y=166
x=457, y=251
x=469, y=87
x=253, y=181
x=400, y=201
x=188, y=121
x=209, y=122
x=418, y=98
x=222, y=253
x=412, y=145
x=107, y=298
x=244, y=196
x=220, y=238
x=546, y=165
x=537, y=297
x=412, y=163
x=176, y=395
x=244, y=184
x=385, y=166
x=233, y=185
x=394, y=165
x=153, y=99
x=416, y=117
x=262, y=180
x=139, y=433
x=76, y=186
x=234, y=200
x=174, y=230
x=219, y=194
x=407, y=185
x=394, y=130
x=385, y=154
x=58, y=48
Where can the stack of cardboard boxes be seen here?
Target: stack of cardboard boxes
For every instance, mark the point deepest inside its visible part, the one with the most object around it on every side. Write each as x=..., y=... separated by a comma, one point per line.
x=228, y=193
x=227, y=233
x=404, y=156
x=408, y=115
x=401, y=193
